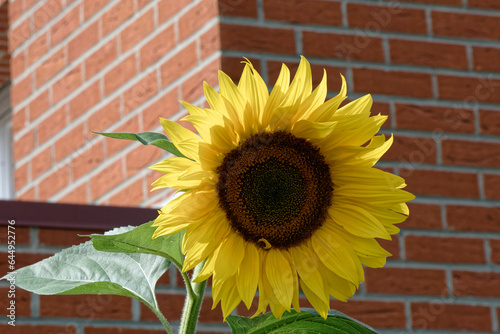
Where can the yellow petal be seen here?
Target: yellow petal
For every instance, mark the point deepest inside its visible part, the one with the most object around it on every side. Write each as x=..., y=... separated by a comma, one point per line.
x=337, y=255
x=279, y=273
x=185, y=141
x=326, y=111
x=321, y=305
x=232, y=251
x=248, y=275
x=306, y=263
x=312, y=130
x=357, y=221
x=277, y=95
x=313, y=101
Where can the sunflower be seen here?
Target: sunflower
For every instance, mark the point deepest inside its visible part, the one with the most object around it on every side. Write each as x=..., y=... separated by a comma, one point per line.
x=281, y=192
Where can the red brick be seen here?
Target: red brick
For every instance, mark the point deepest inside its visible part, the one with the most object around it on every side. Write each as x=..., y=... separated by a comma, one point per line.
x=21, y=177
x=157, y=47
x=87, y=160
x=28, y=195
x=409, y=151
x=120, y=74
x=100, y=58
x=51, y=125
x=21, y=90
x=90, y=7
x=470, y=90
x=22, y=301
x=137, y=30
x=65, y=26
x=141, y=92
x=86, y=306
x=59, y=237
x=491, y=186
x=489, y=122
x=39, y=105
x=238, y=8
x=179, y=64
x=257, y=39
x=168, y=9
x=425, y=316
x=192, y=87
x=37, y=49
x=19, y=120
x=115, y=330
x=374, y=81
x=210, y=42
x=342, y=46
x=131, y=195
x=52, y=184
x=85, y=100
x=433, y=118
x=470, y=153
x=465, y=25
x=495, y=251
x=105, y=117
x=107, y=179
x=406, y=281
x=19, y=34
x=387, y=18
x=49, y=68
x=76, y=196
x=428, y=54
x=41, y=163
x=29, y=4
x=196, y=18
x=477, y=284
x=423, y=216
x=17, y=65
x=83, y=41
x=170, y=305
x=207, y=315
x=485, y=4
x=473, y=218
x=310, y=12
x=165, y=107
x=39, y=329
x=67, y=84
x=444, y=249
x=15, y=10
x=140, y=158
x=113, y=146
x=485, y=58
x=22, y=236
x=233, y=67
x=442, y=183
x=70, y=142
x=116, y=15
x=438, y=2
x=46, y=12
x=24, y=145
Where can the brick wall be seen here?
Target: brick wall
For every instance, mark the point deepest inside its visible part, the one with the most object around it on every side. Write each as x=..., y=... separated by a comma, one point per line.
x=433, y=66
x=87, y=65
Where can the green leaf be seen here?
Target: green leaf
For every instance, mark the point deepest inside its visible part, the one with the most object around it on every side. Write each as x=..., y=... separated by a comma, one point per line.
x=146, y=138
x=140, y=240
x=307, y=321
x=84, y=270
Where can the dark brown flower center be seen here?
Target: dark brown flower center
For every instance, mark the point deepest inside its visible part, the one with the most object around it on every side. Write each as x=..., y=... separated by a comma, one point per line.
x=275, y=189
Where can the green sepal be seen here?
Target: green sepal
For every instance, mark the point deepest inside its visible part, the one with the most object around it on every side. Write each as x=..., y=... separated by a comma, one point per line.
x=146, y=138
x=307, y=321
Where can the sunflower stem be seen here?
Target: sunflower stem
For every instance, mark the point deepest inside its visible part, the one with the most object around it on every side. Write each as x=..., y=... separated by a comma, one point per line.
x=192, y=304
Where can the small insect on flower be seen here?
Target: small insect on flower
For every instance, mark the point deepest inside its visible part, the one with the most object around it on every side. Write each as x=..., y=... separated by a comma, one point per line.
x=282, y=191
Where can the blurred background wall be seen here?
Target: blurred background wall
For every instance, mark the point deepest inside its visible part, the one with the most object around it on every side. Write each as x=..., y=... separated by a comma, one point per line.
x=432, y=66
